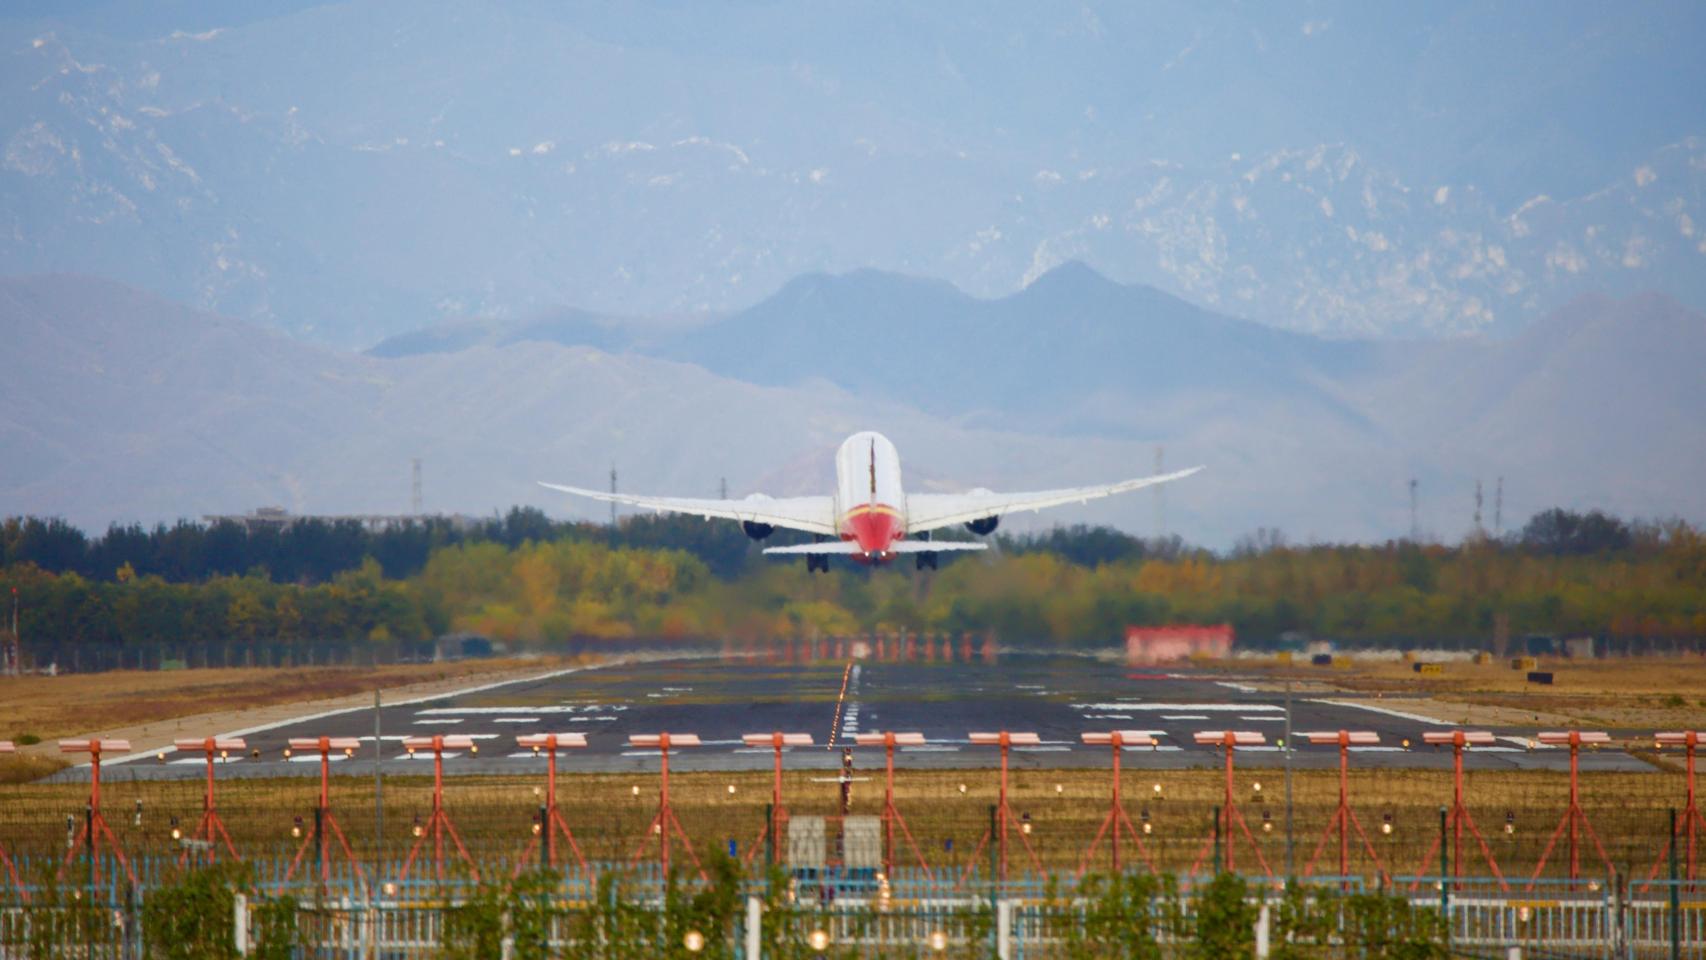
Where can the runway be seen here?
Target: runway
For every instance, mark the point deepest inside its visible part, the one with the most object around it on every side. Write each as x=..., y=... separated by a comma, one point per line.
x=1056, y=696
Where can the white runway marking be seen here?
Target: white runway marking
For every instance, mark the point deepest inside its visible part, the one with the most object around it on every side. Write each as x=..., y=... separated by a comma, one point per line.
x=1184, y=716
x=437, y=721
x=203, y=760
x=1357, y=705
x=427, y=755
x=1109, y=716
x=516, y=720
x=1377, y=749
x=315, y=758
x=1527, y=743
x=1043, y=749
x=930, y=748
x=1240, y=687
x=483, y=711
x=1267, y=719
x=1185, y=707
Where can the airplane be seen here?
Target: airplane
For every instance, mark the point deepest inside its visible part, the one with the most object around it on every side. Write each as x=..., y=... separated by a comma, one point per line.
x=870, y=518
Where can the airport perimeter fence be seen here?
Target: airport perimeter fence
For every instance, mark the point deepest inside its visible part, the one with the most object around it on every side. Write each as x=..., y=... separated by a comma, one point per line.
x=245, y=910
x=1518, y=814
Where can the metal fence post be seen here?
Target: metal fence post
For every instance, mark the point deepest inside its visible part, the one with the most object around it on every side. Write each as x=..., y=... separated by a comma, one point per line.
x=754, y=927
x=240, y=924
x=1004, y=929
x=1675, y=896
x=1262, y=933
x=1217, y=839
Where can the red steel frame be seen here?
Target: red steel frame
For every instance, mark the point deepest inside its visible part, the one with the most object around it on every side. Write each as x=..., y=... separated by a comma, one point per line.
x=664, y=823
x=891, y=814
x=1228, y=741
x=778, y=813
x=1344, y=818
x=7, y=746
x=1691, y=821
x=439, y=823
x=1003, y=813
x=211, y=828
x=1117, y=818
x=1574, y=815
x=94, y=832
x=552, y=820
x=1459, y=741
x=324, y=747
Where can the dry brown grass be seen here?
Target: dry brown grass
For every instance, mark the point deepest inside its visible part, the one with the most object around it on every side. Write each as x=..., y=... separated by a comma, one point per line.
x=71, y=704
x=494, y=813
x=1644, y=693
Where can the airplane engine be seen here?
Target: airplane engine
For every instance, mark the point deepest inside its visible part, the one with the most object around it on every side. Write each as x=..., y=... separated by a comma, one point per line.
x=984, y=527
x=756, y=530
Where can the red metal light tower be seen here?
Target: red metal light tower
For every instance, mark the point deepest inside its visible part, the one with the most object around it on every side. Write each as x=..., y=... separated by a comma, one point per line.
x=211, y=829
x=438, y=824
x=1459, y=741
x=775, y=741
x=551, y=819
x=1344, y=818
x=94, y=833
x=7, y=746
x=1691, y=821
x=1228, y=741
x=323, y=819
x=1574, y=815
x=1116, y=818
x=891, y=814
x=1003, y=813
x=665, y=822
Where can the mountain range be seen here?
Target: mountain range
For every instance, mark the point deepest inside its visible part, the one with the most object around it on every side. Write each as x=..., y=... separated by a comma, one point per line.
x=351, y=171
x=120, y=406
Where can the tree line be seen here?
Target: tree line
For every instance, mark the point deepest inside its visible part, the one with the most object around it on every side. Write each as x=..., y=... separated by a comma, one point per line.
x=532, y=582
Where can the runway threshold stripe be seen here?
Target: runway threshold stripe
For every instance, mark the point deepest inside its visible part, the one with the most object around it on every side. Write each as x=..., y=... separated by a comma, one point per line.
x=1383, y=710
x=1185, y=707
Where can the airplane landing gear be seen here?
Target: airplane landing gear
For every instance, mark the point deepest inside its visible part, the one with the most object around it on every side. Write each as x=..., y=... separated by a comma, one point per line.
x=925, y=561
x=816, y=562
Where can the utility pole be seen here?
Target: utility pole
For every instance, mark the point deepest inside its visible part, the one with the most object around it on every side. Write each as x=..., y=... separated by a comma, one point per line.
x=613, y=492
x=415, y=487
x=723, y=488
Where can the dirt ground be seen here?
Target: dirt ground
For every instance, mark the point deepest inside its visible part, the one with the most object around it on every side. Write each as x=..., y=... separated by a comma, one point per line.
x=151, y=708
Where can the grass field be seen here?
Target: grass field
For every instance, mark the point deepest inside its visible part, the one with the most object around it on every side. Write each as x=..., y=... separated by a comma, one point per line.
x=494, y=814
x=69, y=704
x=1646, y=693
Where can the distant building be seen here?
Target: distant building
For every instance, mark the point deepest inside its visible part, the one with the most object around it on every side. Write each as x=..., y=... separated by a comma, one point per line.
x=1145, y=645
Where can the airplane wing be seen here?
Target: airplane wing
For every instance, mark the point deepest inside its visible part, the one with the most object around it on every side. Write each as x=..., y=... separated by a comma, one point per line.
x=849, y=548
x=931, y=511
x=811, y=514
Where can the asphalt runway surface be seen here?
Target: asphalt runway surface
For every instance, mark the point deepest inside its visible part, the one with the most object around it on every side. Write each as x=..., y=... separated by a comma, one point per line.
x=1056, y=696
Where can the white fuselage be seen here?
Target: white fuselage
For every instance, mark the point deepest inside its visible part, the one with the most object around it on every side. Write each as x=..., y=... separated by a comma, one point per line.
x=870, y=506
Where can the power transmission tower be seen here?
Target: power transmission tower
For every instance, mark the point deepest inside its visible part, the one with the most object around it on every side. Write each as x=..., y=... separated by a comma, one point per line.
x=1160, y=503
x=415, y=489
x=723, y=488
x=613, y=492
x=1499, y=508
x=1415, y=527
x=1479, y=530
